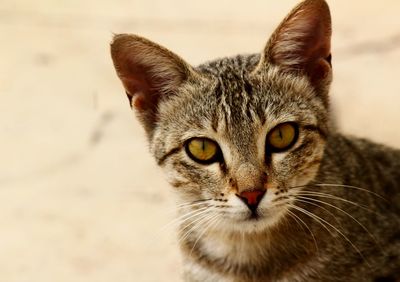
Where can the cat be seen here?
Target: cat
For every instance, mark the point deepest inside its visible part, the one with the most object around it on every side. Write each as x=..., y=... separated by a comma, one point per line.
x=268, y=190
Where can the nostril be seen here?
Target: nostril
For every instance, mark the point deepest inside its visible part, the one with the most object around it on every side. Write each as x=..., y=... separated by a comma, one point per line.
x=251, y=198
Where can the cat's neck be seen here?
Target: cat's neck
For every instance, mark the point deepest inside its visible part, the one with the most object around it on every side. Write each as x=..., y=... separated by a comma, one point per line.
x=263, y=254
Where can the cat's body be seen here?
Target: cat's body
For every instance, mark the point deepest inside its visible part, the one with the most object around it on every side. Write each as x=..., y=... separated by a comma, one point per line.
x=267, y=190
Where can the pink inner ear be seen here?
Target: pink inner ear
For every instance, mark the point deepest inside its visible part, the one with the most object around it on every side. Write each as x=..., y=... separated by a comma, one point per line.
x=319, y=70
x=317, y=56
x=138, y=87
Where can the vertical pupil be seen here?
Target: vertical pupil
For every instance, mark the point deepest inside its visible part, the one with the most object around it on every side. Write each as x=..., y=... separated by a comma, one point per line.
x=203, y=145
x=280, y=133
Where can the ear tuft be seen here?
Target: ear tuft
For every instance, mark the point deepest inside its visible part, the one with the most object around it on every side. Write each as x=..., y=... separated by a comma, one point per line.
x=148, y=72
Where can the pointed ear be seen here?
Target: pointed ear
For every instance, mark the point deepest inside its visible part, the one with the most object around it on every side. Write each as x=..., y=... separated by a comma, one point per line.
x=302, y=42
x=149, y=74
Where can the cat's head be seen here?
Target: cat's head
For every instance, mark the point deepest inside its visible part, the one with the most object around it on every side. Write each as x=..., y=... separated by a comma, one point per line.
x=235, y=134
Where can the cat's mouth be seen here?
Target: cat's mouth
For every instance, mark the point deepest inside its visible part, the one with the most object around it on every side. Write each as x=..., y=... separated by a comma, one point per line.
x=254, y=216
x=260, y=219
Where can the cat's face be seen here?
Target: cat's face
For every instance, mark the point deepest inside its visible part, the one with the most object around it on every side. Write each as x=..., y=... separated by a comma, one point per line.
x=234, y=135
x=235, y=132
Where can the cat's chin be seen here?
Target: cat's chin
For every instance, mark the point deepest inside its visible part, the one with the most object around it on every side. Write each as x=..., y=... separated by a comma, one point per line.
x=254, y=223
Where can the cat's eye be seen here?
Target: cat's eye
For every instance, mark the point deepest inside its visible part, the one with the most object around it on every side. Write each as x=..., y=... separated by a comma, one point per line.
x=282, y=137
x=203, y=150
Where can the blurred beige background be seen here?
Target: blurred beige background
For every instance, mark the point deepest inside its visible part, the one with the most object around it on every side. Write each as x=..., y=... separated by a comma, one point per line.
x=80, y=197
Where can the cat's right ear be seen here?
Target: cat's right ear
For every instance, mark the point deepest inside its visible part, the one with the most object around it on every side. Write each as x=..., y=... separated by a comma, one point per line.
x=149, y=73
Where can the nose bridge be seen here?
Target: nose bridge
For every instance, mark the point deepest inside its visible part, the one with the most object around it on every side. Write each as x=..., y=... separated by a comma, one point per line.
x=249, y=177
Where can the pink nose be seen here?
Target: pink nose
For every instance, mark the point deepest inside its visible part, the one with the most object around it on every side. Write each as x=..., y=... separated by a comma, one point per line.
x=251, y=198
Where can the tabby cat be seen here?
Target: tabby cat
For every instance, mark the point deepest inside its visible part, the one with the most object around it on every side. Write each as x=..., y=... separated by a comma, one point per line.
x=267, y=190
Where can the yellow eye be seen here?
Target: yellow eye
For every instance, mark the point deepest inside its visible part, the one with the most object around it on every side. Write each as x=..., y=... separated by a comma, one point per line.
x=202, y=150
x=282, y=137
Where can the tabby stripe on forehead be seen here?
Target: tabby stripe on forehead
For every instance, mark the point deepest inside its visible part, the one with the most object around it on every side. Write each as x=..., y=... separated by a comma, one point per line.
x=161, y=160
x=215, y=116
x=248, y=90
x=224, y=107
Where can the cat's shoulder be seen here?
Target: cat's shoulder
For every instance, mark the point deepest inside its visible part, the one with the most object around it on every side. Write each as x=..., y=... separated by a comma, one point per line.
x=360, y=157
x=366, y=147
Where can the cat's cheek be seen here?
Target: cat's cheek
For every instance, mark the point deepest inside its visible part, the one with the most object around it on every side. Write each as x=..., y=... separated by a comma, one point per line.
x=269, y=208
x=309, y=170
x=175, y=179
x=305, y=177
x=277, y=159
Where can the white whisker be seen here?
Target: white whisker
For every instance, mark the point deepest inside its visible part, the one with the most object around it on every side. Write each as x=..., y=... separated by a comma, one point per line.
x=194, y=224
x=346, y=213
x=209, y=225
x=351, y=187
x=340, y=186
x=319, y=219
x=333, y=197
x=297, y=219
x=301, y=199
x=179, y=220
x=193, y=203
x=183, y=218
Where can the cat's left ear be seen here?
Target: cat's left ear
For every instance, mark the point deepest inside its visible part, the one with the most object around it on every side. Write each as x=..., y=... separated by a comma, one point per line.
x=302, y=42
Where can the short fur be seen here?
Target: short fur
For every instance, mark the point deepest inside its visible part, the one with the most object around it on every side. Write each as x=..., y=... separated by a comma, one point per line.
x=331, y=207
